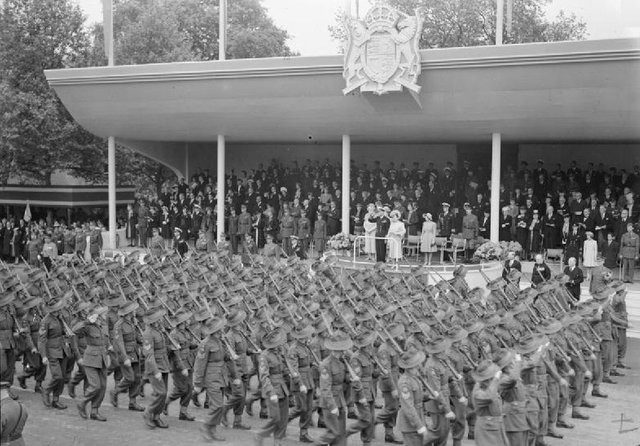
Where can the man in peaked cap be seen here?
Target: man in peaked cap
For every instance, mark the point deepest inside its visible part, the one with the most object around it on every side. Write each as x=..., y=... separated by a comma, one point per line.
x=53, y=345
x=302, y=385
x=156, y=357
x=271, y=369
x=127, y=340
x=211, y=369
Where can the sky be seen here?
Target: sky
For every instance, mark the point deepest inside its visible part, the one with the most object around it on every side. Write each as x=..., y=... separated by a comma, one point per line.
x=307, y=21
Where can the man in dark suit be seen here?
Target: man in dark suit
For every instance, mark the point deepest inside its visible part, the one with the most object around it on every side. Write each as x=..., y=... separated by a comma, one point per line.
x=484, y=229
x=510, y=264
x=621, y=224
x=382, y=228
x=575, y=278
x=603, y=223
x=609, y=250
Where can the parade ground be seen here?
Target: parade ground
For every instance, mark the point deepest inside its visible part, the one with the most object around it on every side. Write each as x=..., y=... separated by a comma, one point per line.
x=49, y=427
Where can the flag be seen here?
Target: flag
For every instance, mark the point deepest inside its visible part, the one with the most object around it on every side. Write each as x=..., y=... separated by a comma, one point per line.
x=107, y=23
x=27, y=213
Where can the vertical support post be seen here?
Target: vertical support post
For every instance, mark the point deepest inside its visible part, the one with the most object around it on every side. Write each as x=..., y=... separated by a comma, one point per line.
x=220, y=188
x=111, y=157
x=347, y=8
x=346, y=181
x=499, y=21
x=496, y=148
x=222, y=31
x=187, y=174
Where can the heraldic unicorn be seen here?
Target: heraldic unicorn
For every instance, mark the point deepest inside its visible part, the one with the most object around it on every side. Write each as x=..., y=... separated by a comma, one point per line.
x=381, y=53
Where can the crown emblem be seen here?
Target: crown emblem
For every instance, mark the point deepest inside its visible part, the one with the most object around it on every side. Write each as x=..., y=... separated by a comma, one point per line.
x=381, y=16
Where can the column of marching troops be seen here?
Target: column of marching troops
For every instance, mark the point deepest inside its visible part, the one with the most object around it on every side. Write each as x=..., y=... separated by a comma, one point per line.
x=508, y=366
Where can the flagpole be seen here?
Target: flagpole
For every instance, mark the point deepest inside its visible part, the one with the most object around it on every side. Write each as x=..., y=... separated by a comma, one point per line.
x=222, y=31
x=499, y=21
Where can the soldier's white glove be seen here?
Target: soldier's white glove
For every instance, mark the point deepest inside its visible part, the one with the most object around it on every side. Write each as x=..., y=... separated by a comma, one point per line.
x=563, y=382
x=45, y=360
x=462, y=400
x=158, y=375
x=185, y=372
x=303, y=389
x=363, y=401
x=394, y=393
x=588, y=374
x=236, y=382
x=127, y=363
x=450, y=416
x=572, y=372
x=422, y=430
x=197, y=390
x=335, y=411
x=274, y=398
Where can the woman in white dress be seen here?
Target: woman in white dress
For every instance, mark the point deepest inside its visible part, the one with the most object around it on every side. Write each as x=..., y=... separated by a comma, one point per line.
x=396, y=234
x=589, y=254
x=370, y=231
x=428, y=238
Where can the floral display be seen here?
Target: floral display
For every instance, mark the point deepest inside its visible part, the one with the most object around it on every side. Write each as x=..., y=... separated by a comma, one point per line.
x=340, y=241
x=496, y=251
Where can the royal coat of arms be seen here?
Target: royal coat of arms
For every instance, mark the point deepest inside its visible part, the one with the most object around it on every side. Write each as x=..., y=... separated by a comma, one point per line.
x=381, y=53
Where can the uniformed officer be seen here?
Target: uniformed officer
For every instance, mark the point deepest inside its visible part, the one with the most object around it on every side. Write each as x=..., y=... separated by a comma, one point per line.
x=301, y=359
x=333, y=377
x=127, y=340
x=95, y=362
x=363, y=389
x=156, y=366
x=411, y=420
x=13, y=417
x=210, y=373
x=54, y=347
x=271, y=369
x=181, y=366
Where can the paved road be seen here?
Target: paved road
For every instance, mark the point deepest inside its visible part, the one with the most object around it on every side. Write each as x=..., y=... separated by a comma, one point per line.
x=49, y=427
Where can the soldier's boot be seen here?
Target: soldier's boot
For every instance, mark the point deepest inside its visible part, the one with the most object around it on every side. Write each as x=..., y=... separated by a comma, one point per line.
x=38, y=387
x=168, y=401
x=159, y=422
x=148, y=420
x=206, y=401
x=134, y=406
x=23, y=382
x=113, y=398
x=351, y=412
x=184, y=415
x=615, y=372
x=95, y=415
x=46, y=398
x=305, y=438
x=587, y=404
x=56, y=404
x=575, y=413
x=552, y=432
x=540, y=441
x=71, y=389
x=248, y=405
x=389, y=437
x=224, y=420
x=82, y=409
x=209, y=433
x=598, y=393
x=607, y=379
x=457, y=442
x=237, y=423
x=564, y=423
x=194, y=400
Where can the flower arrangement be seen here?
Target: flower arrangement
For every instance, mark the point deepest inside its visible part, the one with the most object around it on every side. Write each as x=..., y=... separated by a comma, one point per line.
x=496, y=251
x=340, y=241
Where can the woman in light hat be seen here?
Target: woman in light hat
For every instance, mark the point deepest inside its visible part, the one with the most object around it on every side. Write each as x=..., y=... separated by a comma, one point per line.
x=589, y=254
x=411, y=420
x=396, y=234
x=489, y=430
x=428, y=238
x=271, y=370
x=370, y=231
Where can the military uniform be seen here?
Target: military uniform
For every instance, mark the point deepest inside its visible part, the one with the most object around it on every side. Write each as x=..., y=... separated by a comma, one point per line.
x=13, y=417
x=302, y=385
x=275, y=391
x=156, y=362
x=181, y=360
x=126, y=345
x=95, y=362
x=55, y=348
x=411, y=413
x=438, y=377
x=388, y=358
x=238, y=392
x=333, y=376
x=363, y=391
x=8, y=344
x=32, y=361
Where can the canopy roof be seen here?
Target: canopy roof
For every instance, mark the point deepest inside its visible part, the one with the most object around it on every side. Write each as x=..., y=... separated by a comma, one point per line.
x=565, y=91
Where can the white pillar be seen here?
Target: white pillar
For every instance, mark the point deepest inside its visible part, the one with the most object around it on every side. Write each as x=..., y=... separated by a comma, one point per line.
x=347, y=8
x=221, y=184
x=496, y=142
x=222, y=31
x=111, y=159
x=346, y=181
x=499, y=21
x=186, y=162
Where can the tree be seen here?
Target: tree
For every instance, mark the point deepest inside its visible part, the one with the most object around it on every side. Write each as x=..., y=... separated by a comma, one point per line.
x=37, y=134
x=459, y=23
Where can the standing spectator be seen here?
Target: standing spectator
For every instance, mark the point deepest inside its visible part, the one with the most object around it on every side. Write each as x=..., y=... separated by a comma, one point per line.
x=143, y=222
x=382, y=229
x=621, y=224
x=370, y=231
x=506, y=221
x=49, y=252
x=233, y=230
x=319, y=233
x=575, y=278
x=132, y=225
x=541, y=272
x=428, y=238
x=411, y=220
x=303, y=231
x=603, y=223
x=469, y=230
x=573, y=243
x=396, y=234
x=179, y=243
x=484, y=227
x=535, y=235
x=446, y=226
x=333, y=219
x=157, y=244
x=589, y=253
x=287, y=229
x=95, y=241
x=629, y=251
x=610, y=249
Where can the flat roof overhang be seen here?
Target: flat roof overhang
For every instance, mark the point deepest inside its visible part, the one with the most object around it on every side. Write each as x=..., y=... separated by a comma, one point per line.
x=64, y=196
x=563, y=91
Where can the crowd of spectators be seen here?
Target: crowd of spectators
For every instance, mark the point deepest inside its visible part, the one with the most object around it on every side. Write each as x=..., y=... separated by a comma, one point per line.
x=277, y=203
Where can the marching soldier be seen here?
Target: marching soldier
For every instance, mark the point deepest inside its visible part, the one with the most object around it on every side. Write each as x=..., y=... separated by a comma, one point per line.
x=301, y=359
x=513, y=396
x=388, y=358
x=9, y=332
x=363, y=388
x=181, y=366
x=438, y=377
x=239, y=343
x=127, y=340
x=79, y=345
x=210, y=373
x=274, y=388
x=54, y=347
x=333, y=377
x=490, y=429
x=156, y=367
x=32, y=361
x=411, y=420
x=95, y=363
